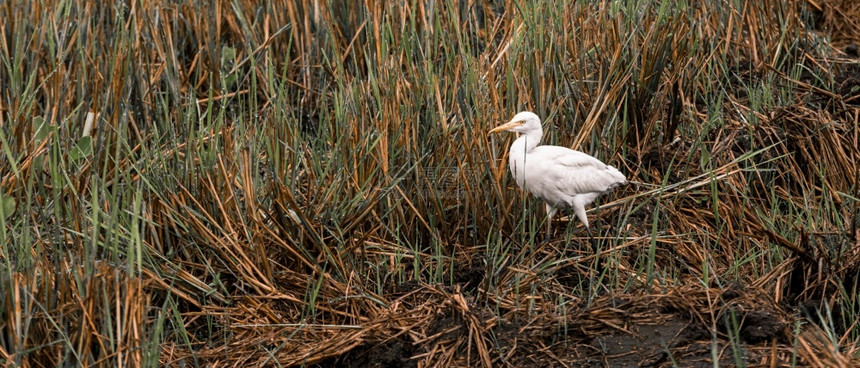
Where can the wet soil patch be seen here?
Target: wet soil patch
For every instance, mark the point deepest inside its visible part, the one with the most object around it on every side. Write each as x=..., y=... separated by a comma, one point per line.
x=393, y=353
x=469, y=273
x=647, y=345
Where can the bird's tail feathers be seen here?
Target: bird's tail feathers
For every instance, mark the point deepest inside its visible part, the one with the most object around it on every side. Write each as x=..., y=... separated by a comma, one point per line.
x=618, y=178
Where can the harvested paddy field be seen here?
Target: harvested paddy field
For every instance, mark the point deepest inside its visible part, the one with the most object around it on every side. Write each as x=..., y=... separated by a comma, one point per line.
x=312, y=183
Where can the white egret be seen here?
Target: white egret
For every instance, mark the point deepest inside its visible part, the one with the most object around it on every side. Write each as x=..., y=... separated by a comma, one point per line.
x=562, y=177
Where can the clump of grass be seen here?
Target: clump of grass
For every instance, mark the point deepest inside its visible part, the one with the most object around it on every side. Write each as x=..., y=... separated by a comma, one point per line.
x=296, y=182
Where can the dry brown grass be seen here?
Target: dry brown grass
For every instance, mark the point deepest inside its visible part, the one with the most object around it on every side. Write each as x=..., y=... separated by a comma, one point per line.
x=329, y=196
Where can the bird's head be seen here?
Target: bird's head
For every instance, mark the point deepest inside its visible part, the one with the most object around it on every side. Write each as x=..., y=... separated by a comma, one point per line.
x=523, y=122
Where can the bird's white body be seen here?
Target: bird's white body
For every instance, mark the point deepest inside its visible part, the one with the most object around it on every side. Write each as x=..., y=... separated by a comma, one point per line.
x=562, y=177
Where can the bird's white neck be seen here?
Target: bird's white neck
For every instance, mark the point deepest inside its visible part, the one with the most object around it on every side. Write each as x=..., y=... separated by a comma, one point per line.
x=519, y=149
x=527, y=141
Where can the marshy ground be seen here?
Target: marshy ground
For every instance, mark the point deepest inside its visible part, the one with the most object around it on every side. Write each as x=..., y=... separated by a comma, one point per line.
x=310, y=183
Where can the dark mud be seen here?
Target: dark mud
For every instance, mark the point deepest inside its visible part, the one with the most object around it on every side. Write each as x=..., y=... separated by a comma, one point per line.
x=394, y=353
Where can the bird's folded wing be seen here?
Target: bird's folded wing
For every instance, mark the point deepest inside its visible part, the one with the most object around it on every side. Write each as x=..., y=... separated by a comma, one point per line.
x=575, y=172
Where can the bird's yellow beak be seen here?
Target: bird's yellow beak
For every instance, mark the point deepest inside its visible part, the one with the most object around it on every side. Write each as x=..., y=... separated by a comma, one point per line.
x=507, y=126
